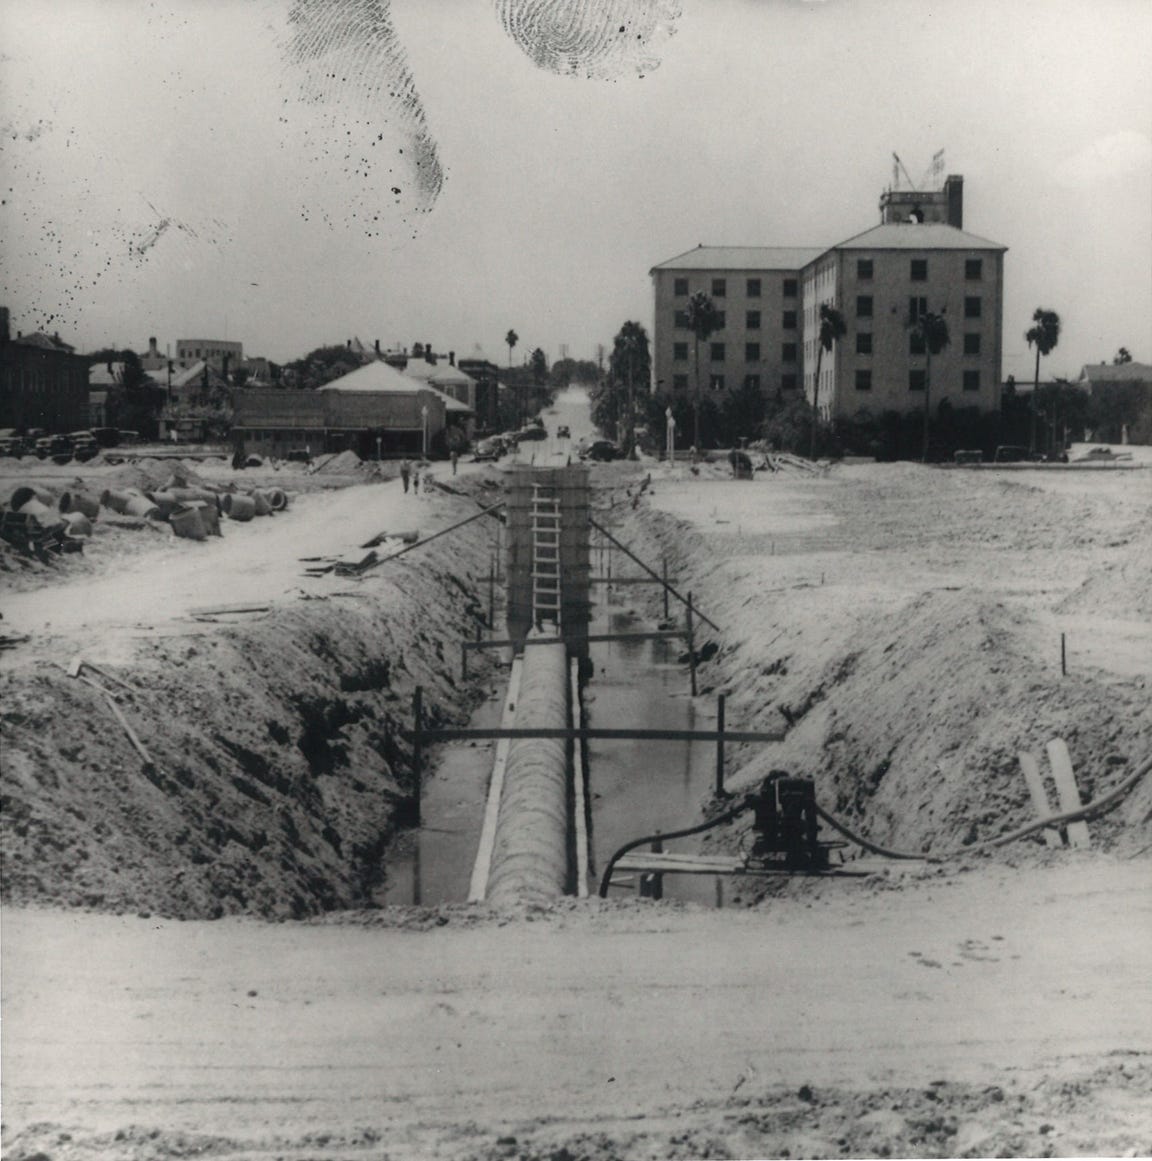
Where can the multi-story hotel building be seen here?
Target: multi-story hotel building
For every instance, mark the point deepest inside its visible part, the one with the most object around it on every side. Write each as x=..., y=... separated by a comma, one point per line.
x=918, y=259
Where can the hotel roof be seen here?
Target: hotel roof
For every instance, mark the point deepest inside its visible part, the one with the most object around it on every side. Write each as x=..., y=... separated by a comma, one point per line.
x=743, y=258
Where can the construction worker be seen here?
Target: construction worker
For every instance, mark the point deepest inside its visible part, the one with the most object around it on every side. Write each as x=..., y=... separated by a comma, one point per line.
x=405, y=472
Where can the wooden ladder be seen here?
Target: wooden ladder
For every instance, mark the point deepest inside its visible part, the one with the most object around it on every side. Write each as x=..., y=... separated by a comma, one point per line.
x=546, y=595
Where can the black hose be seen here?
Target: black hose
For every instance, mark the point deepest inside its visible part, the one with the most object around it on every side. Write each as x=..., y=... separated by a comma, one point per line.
x=1099, y=806
x=1092, y=809
x=727, y=816
x=860, y=841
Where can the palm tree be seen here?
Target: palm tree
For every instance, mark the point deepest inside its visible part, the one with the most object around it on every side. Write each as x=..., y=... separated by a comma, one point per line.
x=630, y=364
x=510, y=340
x=832, y=330
x=703, y=322
x=932, y=330
x=1045, y=333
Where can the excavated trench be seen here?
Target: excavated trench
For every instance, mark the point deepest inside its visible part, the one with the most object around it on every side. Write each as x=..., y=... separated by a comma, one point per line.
x=280, y=768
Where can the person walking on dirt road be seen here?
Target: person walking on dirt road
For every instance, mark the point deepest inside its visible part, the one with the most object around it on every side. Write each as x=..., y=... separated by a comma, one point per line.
x=405, y=472
x=455, y=459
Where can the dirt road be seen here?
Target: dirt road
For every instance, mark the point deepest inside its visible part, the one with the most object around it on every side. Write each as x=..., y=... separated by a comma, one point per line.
x=970, y=1014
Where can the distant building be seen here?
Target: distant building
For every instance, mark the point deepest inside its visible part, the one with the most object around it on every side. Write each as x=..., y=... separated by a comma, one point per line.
x=43, y=382
x=219, y=354
x=373, y=410
x=484, y=374
x=918, y=259
x=103, y=379
x=1123, y=394
x=153, y=361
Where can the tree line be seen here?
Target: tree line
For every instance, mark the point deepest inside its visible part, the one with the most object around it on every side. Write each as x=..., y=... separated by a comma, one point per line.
x=1044, y=420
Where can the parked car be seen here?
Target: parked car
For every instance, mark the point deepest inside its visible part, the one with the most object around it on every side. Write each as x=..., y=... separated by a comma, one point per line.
x=58, y=447
x=601, y=451
x=491, y=448
x=562, y=432
x=106, y=436
x=12, y=444
x=529, y=433
x=1010, y=454
x=298, y=455
x=84, y=446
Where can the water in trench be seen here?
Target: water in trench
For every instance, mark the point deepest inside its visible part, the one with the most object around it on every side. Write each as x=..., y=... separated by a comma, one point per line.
x=433, y=863
x=635, y=787
x=639, y=787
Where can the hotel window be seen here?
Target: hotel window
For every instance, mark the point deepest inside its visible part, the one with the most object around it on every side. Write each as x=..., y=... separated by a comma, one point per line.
x=680, y=287
x=752, y=352
x=719, y=287
x=717, y=353
x=972, y=344
x=917, y=306
x=973, y=269
x=972, y=307
x=716, y=382
x=752, y=320
x=917, y=378
x=788, y=353
x=753, y=287
x=752, y=382
x=789, y=320
x=919, y=269
x=864, y=268
x=863, y=306
x=864, y=379
x=681, y=320
x=971, y=380
x=863, y=342
x=680, y=352
x=788, y=382
x=789, y=287
x=679, y=382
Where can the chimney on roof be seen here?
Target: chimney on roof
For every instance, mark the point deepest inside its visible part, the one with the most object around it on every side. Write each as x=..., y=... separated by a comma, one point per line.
x=152, y=347
x=376, y=345
x=954, y=195
x=349, y=344
x=428, y=353
x=451, y=358
x=56, y=337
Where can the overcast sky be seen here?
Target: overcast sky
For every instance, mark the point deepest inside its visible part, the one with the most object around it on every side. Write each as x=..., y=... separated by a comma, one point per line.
x=209, y=168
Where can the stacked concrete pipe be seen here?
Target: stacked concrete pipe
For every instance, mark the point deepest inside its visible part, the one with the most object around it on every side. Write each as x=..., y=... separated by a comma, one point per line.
x=530, y=854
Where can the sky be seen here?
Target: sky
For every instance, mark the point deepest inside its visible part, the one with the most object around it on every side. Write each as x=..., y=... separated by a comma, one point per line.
x=293, y=173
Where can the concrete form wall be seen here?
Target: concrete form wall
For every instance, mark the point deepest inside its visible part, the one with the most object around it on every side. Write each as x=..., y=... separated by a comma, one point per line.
x=575, y=558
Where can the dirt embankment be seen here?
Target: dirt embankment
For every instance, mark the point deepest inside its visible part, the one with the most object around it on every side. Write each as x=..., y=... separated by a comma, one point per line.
x=279, y=766
x=907, y=640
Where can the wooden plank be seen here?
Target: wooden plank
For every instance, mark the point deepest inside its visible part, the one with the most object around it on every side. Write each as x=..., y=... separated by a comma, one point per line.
x=478, y=887
x=137, y=745
x=655, y=635
x=463, y=733
x=1031, y=771
x=1068, y=791
x=212, y=610
x=579, y=808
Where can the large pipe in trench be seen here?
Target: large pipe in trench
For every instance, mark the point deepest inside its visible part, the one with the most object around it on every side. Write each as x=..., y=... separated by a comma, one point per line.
x=530, y=853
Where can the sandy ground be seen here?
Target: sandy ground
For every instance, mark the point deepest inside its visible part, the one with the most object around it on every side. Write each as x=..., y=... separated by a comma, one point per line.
x=908, y=622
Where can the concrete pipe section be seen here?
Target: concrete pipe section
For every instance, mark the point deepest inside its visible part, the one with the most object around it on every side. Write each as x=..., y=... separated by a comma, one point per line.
x=530, y=854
